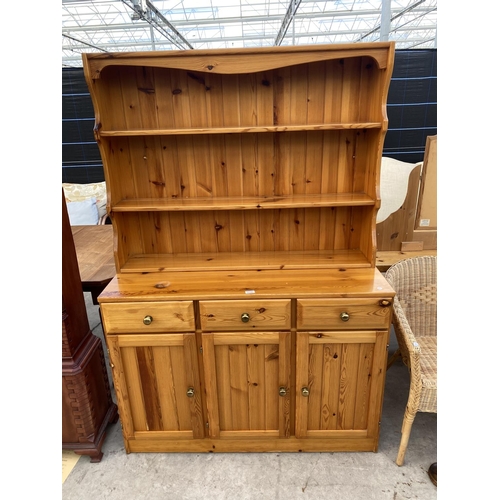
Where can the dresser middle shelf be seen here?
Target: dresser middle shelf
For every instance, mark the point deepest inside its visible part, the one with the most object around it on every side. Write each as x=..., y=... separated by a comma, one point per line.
x=244, y=203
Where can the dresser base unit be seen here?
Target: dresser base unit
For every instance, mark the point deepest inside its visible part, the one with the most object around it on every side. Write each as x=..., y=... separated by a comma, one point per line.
x=249, y=360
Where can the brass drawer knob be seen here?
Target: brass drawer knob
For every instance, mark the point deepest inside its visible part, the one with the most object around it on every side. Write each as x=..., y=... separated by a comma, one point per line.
x=305, y=392
x=147, y=319
x=385, y=303
x=344, y=316
x=245, y=317
x=190, y=392
x=282, y=392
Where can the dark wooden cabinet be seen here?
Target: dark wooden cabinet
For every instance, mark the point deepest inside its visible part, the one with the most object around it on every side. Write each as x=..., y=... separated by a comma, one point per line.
x=87, y=405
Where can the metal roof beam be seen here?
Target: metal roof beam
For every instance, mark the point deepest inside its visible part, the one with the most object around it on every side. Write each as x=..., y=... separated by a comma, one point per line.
x=325, y=15
x=399, y=14
x=329, y=34
x=290, y=13
x=82, y=42
x=156, y=19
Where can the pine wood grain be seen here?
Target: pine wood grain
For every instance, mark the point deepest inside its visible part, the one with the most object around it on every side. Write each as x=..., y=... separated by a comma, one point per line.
x=362, y=314
x=129, y=317
x=188, y=138
x=276, y=284
x=230, y=61
x=245, y=182
x=227, y=315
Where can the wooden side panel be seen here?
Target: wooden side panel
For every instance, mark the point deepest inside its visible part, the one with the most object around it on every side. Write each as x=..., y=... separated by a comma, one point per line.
x=376, y=394
x=426, y=218
x=399, y=226
x=121, y=390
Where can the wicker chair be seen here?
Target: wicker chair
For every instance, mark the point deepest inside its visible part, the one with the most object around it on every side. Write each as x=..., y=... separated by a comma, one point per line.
x=414, y=320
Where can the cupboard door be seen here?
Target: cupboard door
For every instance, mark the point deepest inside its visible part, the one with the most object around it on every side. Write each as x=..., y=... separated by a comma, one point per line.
x=340, y=381
x=157, y=385
x=248, y=384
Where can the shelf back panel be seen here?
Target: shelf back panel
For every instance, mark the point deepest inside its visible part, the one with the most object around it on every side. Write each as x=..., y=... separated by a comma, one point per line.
x=300, y=229
x=334, y=91
x=275, y=164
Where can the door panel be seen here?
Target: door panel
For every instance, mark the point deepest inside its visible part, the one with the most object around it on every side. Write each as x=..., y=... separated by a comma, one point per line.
x=244, y=373
x=338, y=376
x=162, y=384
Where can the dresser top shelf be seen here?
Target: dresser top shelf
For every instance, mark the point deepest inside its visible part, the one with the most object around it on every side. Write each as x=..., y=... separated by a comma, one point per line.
x=230, y=61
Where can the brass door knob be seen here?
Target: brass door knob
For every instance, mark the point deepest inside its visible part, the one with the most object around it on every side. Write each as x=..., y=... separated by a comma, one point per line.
x=282, y=391
x=190, y=392
x=245, y=317
x=344, y=316
x=147, y=319
x=305, y=391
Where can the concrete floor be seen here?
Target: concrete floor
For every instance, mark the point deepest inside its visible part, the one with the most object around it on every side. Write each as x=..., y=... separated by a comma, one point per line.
x=289, y=476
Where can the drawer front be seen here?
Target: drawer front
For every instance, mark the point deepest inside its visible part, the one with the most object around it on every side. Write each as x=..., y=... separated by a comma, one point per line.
x=343, y=314
x=148, y=317
x=220, y=315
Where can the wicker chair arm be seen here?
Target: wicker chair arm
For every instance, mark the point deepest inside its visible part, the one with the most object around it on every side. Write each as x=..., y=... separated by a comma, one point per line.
x=410, y=348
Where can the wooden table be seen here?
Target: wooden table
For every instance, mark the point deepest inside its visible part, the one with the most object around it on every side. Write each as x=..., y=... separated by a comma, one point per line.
x=94, y=250
x=386, y=259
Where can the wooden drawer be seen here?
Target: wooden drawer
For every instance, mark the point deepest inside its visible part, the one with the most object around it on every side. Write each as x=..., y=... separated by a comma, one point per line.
x=219, y=315
x=327, y=314
x=132, y=317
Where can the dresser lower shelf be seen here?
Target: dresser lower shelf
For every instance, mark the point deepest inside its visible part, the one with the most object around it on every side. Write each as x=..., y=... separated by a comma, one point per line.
x=212, y=261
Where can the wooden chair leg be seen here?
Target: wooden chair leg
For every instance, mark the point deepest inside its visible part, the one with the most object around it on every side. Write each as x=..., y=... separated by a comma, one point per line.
x=396, y=355
x=405, y=435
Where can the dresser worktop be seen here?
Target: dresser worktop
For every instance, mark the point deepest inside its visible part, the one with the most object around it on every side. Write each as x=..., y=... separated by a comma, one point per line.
x=247, y=284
